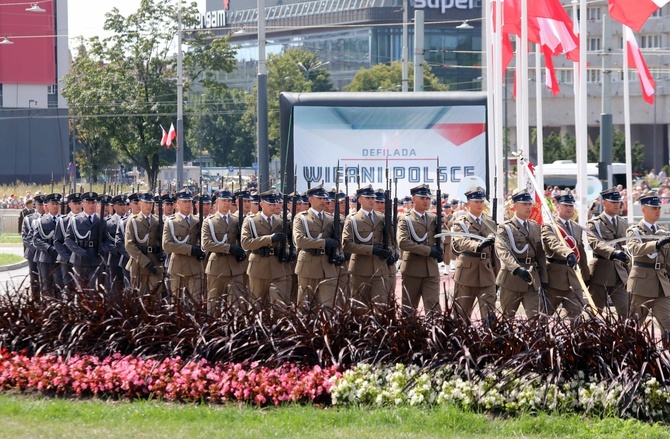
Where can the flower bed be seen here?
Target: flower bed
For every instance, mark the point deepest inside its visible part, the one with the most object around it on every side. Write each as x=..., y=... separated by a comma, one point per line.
x=170, y=379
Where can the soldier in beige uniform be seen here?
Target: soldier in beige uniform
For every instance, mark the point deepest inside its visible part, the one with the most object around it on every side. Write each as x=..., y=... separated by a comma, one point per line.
x=318, y=260
x=142, y=239
x=180, y=240
x=262, y=235
x=224, y=267
x=523, y=265
x=562, y=259
x=380, y=207
x=610, y=264
x=477, y=263
x=421, y=254
x=648, y=281
x=363, y=238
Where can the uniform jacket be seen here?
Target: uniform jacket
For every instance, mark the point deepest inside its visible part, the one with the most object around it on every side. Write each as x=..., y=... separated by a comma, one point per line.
x=363, y=262
x=648, y=282
x=217, y=235
x=120, y=241
x=29, y=251
x=603, y=270
x=136, y=229
x=513, y=255
x=263, y=267
x=561, y=276
x=416, y=260
x=87, y=249
x=474, y=271
x=181, y=261
x=309, y=232
x=44, y=231
x=62, y=225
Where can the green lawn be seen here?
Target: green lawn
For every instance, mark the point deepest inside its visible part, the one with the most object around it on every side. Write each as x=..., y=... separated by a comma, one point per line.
x=10, y=238
x=8, y=258
x=32, y=417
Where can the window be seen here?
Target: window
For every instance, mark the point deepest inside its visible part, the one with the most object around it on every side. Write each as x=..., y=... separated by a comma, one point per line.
x=593, y=44
x=594, y=14
x=658, y=13
x=593, y=76
x=650, y=41
x=565, y=76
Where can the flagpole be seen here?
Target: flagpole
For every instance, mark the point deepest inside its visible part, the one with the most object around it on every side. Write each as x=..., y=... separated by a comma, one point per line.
x=497, y=80
x=626, y=118
x=522, y=90
x=490, y=72
x=582, y=150
x=180, y=102
x=539, y=171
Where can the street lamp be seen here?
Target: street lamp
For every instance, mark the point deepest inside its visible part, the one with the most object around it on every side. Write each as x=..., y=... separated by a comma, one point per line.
x=5, y=41
x=30, y=140
x=307, y=70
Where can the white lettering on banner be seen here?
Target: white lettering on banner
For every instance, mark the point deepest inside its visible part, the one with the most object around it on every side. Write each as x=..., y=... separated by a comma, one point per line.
x=379, y=152
x=211, y=19
x=377, y=174
x=445, y=5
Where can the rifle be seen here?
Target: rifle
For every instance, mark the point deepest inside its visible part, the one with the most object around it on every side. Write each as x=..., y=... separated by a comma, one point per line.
x=52, y=182
x=438, y=207
x=346, y=191
x=62, y=202
x=200, y=213
x=294, y=201
x=358, y=182
x=395, y=211
x=387, y=238
x=103, y=225
x=283, y=257
x=336, y=257
x=161, y=255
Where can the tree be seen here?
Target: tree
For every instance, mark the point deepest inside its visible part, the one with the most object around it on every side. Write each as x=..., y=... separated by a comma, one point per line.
x=619, y=151
x=124, y=86
x=218, y=128
x=384, y=77
x=285, y=74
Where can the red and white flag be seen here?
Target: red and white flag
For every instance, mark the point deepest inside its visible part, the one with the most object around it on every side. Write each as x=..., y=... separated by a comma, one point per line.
x=171, y=135
x=164, y=137
x=226, y=5
x=550, y=72
x=636, y=61
x=634, y=13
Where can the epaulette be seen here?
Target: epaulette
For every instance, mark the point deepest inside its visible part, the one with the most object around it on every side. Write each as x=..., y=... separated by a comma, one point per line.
x=304, y=213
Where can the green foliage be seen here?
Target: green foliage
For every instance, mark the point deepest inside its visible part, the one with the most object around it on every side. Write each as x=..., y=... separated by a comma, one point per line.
x=619, y=151
x=557, y=147
x=123, y=87
x=384, y=77
x=217, y=126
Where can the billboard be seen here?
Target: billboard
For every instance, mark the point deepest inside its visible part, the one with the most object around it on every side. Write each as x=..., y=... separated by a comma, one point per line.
x=370, y=132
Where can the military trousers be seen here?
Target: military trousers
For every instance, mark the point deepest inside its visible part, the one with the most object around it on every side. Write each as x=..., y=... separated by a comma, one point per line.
x=641, y=306
x=617, y=293
x=416, y=288
x=225, y=288
x=328, y=292
x=50, y=278
x=571, y=299
x=370, y=290
x=271, y=290
x=464, y=300
x=511, y=299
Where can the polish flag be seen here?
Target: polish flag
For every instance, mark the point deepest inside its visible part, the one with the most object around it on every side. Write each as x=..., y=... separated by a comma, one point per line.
x=226, y=5
x=171, y=135
x=634, y=13
x=550, y=81
x=636, y=61
x=164, y=137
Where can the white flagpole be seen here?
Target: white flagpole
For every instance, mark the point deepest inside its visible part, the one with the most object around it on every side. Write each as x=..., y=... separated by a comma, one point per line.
x=498, y=91
x=626, y=118
x=490, y=96
x=580, y=121
x=522, y=90
x=539, y=171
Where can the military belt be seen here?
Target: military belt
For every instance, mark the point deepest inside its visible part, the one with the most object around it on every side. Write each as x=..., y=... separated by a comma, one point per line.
x=557, y=261
x=597, y=256
x=87, y=243
x=314, y=251
x=476, y=255
x=655, y=266
x=149, y=248
x=265, y=252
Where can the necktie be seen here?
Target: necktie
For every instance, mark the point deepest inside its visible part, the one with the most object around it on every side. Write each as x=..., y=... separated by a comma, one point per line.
x=525, y=224
x=653, y=229
x=372, y=218
x=188, y=221
x=90, y=220
x=321, y=216
x=479, y=222
x=424, y=217
x=270, y=221
x=225, y=218
x=614, y=223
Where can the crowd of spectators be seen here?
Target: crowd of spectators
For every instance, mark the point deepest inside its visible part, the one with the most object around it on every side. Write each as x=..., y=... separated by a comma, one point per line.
x=14, y=201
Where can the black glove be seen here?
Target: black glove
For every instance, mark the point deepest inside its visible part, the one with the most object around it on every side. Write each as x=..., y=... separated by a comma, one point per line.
x=161, y=256
x=292, y=256
x=331, y=243
x=587, y=282
x=236, y=250
x=620, y=255
x=197, y=252
x=53, y=252
x=381, y=251
x=278, y=237
x=545, y=285
x=661, y=242
x=347, y=256
x=523, y=274
x=151, y=267
x=572, y=260
x=488, y=242
x=390, y=260
x=436, y=253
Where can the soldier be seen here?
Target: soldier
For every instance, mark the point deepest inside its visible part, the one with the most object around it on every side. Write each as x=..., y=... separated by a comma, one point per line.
x=262, y=235
x=421, y=254
x=142, y=240
x=363, y=238
x=477, y=264
x=29, y=251
x=254, y=207
x=83, y=238
x=648, y=281
x=610, y=264
x=380, y=207
x=181, y=241
x=168, y=205
x=116, y=283
x=317, y=266
x=246, y=201
x=562, y=259
x=44, y=231
x=302, y=204
x=224, y=267
x=206, y=205
x=64, y=253
x=27, y=210
x=523, y=265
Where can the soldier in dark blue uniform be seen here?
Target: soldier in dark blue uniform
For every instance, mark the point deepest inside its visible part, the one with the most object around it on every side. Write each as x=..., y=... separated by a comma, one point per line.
x=115, y=284
x=29, y=251
x=74, y=203
x=44, y=231
x=86, y=242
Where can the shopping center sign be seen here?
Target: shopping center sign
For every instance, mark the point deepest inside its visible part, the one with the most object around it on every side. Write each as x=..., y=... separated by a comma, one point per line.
x=211, y=19
x=445, y=5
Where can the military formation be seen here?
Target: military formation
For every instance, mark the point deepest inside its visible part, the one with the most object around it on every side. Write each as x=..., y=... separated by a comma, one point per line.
x=246, y=247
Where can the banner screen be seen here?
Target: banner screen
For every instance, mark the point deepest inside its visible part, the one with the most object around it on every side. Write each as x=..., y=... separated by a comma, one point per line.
x=408, y=140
